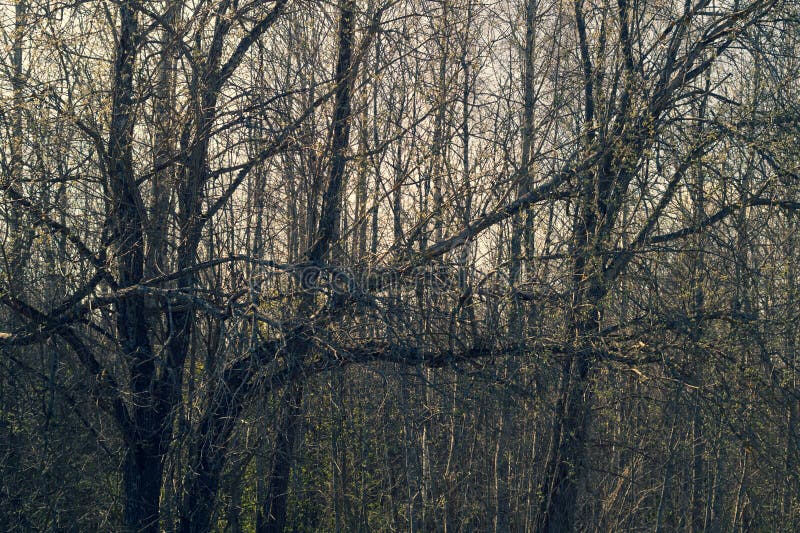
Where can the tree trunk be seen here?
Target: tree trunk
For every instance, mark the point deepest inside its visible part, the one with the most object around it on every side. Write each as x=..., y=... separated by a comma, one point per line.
x=271, y=517
x=142, y=488
x=149, y=436
x=565, y=458
x=522, y=238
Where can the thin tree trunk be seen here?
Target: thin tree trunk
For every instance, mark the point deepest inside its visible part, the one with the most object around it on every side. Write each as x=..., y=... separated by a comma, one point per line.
x=522, y=230
x=163, y=181
x=666, y=485
x=791, y=488
x=500, y=467
x=20, y=234
x=738, y=510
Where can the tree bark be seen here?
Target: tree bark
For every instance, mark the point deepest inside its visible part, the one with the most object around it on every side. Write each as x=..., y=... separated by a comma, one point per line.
x=272, y=515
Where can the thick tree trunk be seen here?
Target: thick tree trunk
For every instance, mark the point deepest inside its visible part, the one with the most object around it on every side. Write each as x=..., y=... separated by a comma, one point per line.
x=566, y=455
x=150, y=433
x=142, y=487
x=272, y=515
x=201, y=489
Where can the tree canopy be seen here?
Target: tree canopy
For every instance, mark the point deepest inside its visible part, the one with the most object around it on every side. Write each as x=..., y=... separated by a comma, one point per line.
x=390, y=265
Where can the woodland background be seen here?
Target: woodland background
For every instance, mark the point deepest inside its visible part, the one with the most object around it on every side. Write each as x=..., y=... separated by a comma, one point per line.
x=399, y=265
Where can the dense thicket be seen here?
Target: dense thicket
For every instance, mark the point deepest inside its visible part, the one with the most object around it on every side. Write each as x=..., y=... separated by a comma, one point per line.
x=456, y=265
